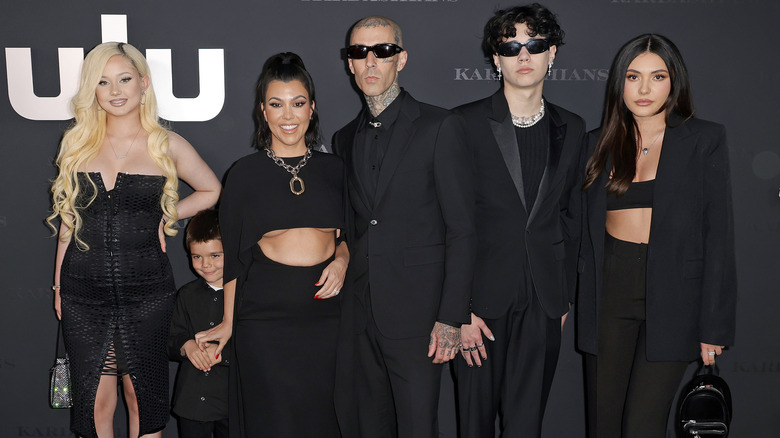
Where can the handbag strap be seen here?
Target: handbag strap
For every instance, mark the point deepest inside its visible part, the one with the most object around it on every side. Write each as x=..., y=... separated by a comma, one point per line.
x=708, y=369
x=61, y=352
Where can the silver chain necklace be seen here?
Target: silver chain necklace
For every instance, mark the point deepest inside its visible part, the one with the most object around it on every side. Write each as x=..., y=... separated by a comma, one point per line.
x=122, y=157
x=645, y=150
x=527, y=122
x=293, y=170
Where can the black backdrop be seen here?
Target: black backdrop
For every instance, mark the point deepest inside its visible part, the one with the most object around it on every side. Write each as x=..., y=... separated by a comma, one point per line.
x=216, y=52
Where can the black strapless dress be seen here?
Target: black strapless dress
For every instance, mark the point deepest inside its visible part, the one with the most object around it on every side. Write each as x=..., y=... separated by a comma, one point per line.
x=117, y=298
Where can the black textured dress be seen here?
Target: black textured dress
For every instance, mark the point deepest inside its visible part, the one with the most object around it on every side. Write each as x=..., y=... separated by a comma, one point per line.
x=117, y=298
x=283, y=381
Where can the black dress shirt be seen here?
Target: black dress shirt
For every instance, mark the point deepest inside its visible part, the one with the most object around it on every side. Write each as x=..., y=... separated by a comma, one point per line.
x=198, y=395
x=372, y=138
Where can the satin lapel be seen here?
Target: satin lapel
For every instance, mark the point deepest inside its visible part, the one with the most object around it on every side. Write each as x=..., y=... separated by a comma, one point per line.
x=557, y=137
x=349, y=151
x=504, y=132
x=676, y=155
x=403, y=130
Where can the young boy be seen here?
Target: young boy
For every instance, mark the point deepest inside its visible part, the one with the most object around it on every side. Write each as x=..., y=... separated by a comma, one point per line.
x=200, y=398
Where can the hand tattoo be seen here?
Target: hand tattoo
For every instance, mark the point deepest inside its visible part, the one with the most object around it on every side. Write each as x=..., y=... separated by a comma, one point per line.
x=448, y=336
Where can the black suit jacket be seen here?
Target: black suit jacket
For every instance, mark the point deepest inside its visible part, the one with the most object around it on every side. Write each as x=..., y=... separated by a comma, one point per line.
x=691, y=271
x=551, y=235
x=415, y=247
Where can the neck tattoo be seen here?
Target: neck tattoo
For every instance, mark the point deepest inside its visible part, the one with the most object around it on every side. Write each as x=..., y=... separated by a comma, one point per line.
x=645, y=150
x=293, y=170
x=377, y=104
x=527, y=122
x=123, y=156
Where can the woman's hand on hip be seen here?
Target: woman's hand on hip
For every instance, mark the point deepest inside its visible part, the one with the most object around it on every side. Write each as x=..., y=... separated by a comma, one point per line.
x=331, y=280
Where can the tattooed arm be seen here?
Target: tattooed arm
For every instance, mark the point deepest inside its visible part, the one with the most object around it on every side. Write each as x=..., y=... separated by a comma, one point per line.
x=445, y=342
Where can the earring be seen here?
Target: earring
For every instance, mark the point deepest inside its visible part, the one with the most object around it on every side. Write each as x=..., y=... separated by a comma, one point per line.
x=499, y=73
x=549, y=70
x=143, y=97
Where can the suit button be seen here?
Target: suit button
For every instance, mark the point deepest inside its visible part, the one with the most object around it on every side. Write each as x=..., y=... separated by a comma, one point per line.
x=373, y=222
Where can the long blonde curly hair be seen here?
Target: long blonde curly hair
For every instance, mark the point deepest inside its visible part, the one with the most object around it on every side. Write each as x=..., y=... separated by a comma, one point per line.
x=81, y=143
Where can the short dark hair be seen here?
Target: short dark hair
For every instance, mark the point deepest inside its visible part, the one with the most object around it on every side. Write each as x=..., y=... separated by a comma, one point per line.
x=285, y=67
x=203, y=227
x=501, y=26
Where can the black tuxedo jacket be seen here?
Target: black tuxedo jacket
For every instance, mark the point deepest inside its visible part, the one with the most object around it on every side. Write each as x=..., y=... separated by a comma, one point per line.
x=415, y=247
x=691, y=286
x=552, y=225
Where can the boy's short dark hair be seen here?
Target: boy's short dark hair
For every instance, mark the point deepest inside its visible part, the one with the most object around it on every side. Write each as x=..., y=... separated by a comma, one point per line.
x=203, y=227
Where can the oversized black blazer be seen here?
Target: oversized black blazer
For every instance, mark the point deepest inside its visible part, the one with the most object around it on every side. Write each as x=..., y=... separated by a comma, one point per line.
x=691, y=286
x=415, y=247
x=551, y=234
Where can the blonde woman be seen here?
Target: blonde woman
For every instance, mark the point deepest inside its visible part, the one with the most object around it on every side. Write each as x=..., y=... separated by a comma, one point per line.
x=114, y=196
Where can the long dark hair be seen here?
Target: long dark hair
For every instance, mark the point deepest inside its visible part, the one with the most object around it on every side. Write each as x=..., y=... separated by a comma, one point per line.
x=619, y=130
x=285, y=67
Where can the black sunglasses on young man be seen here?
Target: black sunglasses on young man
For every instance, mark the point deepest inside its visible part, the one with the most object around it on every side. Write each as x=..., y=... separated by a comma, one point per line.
x=513, y=48
x=359, y=51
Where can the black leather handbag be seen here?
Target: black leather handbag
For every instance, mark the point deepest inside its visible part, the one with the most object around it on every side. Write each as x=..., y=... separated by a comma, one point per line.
x=704, y=408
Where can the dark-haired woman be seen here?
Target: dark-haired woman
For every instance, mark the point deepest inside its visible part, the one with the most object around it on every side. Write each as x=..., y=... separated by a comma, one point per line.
x=281, y=213
x=657, y=281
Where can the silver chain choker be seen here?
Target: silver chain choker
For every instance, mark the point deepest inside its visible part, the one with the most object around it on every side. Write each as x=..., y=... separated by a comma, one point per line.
x=527, y=122
x=293, y=170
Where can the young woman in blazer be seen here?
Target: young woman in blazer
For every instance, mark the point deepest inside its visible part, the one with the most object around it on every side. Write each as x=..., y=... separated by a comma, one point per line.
x=657, y=285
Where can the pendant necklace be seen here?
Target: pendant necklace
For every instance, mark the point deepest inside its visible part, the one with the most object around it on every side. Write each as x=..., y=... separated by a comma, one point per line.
x=645, y=150
x=527, y=122
x=293, y=170
x=122, y=157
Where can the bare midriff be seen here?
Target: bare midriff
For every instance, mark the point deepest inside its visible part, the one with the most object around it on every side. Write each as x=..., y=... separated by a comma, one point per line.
x=299, y=246
x=630, y=225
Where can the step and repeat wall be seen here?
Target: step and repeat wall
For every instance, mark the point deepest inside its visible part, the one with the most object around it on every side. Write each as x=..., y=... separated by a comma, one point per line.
x=206, y=57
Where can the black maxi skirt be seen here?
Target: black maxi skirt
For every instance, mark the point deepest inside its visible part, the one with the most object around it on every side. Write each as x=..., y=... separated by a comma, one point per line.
x=285, y=346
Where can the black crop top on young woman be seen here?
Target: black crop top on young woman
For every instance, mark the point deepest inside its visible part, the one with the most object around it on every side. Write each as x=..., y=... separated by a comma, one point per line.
x=257, y=199
x=638, y=195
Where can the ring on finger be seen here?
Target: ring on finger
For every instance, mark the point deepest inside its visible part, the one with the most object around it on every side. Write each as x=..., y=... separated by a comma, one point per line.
x=480, y=345
x=473, y=349
x=711, y=353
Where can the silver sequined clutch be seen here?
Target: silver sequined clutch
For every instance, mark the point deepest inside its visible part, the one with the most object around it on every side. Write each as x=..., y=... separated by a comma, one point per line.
x=59, y=389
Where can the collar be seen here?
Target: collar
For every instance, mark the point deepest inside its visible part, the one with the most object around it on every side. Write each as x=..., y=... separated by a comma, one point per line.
x=387, y=117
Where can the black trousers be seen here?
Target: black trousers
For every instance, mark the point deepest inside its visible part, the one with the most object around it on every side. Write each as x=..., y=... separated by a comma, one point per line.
x=632, y=395
x=397, y=384
x=515, y=379
x=203, y=429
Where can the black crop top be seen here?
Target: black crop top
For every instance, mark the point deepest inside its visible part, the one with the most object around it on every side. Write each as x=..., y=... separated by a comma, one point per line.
x=638, y=195
x=257, y=199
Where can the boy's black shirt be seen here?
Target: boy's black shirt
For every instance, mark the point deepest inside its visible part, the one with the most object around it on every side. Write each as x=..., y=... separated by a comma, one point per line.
x=198, y=395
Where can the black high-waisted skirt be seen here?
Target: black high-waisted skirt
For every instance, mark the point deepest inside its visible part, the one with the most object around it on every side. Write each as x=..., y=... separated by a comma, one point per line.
x=285, y=344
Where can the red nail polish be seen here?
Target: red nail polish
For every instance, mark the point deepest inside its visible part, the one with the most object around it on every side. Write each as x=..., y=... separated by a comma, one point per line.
x=217, y=356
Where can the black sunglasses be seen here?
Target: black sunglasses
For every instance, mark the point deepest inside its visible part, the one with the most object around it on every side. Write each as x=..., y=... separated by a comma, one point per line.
x=386, y=50
x=534, y=46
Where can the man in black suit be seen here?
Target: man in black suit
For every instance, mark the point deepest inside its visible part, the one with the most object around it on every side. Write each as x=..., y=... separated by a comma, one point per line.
x=411, y=233
x=526, y=152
